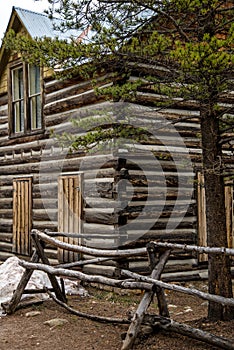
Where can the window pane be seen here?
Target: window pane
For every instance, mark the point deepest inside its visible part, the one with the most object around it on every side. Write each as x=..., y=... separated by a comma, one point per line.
x=35, y=112
x=18, y=116
x=35, y=97
x=18, y=84
x=34, y=80
x=18, y=99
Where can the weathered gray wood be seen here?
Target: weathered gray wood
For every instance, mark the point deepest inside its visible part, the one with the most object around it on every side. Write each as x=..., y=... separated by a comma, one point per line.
x=100, y=216
x=80, y=235
x=91, y=251
x=184, y=329
x=40, y=250
x=88, y=316
x=127, y=284
x=83, y=262
x=193, y=248
x=190, y=291
x=157, y=269
x=145, y=301
x=73, y=102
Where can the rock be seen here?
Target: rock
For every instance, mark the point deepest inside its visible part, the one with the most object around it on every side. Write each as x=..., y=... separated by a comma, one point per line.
x=32, y=313
x=55, y=322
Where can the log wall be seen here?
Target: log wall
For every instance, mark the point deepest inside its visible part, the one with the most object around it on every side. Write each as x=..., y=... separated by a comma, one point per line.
x=119, y=208
x=40, y=156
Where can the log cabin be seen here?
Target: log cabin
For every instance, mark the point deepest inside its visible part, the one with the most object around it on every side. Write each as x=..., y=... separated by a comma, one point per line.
x=124, y=195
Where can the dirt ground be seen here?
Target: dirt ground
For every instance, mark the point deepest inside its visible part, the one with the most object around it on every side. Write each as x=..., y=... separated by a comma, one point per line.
x=25, y=330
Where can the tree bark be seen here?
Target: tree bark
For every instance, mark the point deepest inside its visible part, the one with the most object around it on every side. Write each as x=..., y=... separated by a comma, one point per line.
x=218, y=265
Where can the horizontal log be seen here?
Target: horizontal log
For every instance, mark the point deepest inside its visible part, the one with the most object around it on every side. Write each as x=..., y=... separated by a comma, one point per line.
x=55, y=85
x=4, y=117
x=80, y=235
x=167, y=180
x=51, y=254
x=83, y=262
x=43, y=225
x=52, y=85
x=6, y=237
x=170, y=325
x=6, y=213
x=197, y=249
x=190, y=291
x=5, y=247
x=143, y=162
x=74, y=162
x=93, y=269
x=99, y=189
x=5, y=255
x=73, y=102
x=23, y=139
x=6, y=191
x=90, y=251
x=100, y=216
x=157, y=193
x=44, y=215
x=6, y=226
x=43, y=187
x=157, y=211
x=59, y=119
x=3, y=99
x=4, y=133
x=89, y=228
x=125, y=284
x=21, y=159
x=6, y=203
x=6, y=180
x=92, y=202
x=141, y=238
x=33, y=146
x=48, y=203
x=36, y=164
x=69, y=92
x=161, y=224
x=176, y=232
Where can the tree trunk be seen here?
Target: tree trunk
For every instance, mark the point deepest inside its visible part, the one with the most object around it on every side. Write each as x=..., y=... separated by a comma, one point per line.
x=219, y=279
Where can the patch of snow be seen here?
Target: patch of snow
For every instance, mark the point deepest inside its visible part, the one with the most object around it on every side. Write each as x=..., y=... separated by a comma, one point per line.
x=10, y=275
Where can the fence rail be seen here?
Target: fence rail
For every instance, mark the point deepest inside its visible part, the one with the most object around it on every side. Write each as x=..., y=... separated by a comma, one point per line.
x=158, y=255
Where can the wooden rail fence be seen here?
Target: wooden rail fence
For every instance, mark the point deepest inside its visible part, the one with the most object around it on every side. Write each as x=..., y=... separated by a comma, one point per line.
x=158, y=255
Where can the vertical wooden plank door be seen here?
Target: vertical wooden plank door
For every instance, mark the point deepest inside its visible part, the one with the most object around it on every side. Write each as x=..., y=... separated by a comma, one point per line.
x=22, y=216
x=70, y=207
x=201, y=214
x=229, y=207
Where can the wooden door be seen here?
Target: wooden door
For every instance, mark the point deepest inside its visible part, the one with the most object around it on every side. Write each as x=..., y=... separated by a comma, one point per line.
x=22, y=215
x=201, y=214
x=70, y=208
x=229, y=207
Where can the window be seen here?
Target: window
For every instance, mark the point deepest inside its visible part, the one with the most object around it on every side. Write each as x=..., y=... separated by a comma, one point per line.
x=25, y=104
